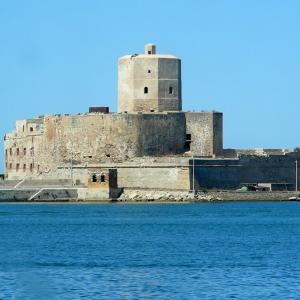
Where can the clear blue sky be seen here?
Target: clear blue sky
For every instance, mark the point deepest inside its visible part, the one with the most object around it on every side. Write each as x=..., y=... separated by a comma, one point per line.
x=238, y=57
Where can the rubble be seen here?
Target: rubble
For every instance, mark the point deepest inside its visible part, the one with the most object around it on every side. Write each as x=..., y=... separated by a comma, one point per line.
x=165, y=196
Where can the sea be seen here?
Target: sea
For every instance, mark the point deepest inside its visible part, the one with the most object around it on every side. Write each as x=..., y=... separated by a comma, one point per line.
x=232, y=250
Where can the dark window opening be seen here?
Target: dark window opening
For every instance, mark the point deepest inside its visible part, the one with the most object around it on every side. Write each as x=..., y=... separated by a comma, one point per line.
x=24, y=151
x=149, y=52
x=18, y=151
x=31, y=129
x=10, y=151
x=94, y=178
x=188, y=141
x=171, y=90
x=107, y=155
x=31, y=167
x=145, y=90
x=17, y=167
x=23, y=128
x=6, y=153
x=24, y=167
x=149, y=71
x=102, y=178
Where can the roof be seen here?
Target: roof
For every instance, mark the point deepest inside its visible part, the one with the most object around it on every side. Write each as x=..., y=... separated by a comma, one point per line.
x=148, y=56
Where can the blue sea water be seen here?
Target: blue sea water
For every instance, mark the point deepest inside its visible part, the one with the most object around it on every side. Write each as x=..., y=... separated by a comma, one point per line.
x=245, y=250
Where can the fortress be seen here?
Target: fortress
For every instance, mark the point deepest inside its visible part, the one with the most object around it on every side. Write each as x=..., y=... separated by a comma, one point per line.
x=149, y=143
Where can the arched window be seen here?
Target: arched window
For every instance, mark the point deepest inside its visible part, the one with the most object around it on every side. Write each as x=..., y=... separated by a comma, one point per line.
x=145, y=90
x=171, y=90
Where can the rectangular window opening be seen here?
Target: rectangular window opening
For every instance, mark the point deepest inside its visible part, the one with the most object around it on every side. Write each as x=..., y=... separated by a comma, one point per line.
x=188, y=141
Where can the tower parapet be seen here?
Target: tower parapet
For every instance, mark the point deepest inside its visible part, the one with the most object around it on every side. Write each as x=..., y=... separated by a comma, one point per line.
x=149, y=82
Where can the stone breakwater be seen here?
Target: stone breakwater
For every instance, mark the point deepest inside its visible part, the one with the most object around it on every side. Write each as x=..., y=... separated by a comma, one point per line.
x=165, y=196
x=211, y=196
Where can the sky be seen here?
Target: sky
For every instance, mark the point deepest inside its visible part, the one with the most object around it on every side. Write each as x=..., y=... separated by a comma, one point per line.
x=238, y=57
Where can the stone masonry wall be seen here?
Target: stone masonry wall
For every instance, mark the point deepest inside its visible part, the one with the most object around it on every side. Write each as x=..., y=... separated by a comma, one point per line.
x=64, y=141
x=174, y=178
x=206, y=130
x=231, y=173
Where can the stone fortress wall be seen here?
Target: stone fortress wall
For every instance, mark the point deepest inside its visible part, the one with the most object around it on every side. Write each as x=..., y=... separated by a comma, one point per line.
x=149, y=82
x=246, y=170
x=149, y=143
x=50, y=145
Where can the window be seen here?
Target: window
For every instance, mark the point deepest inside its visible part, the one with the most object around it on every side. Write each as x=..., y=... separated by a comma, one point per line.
x=10, y=165
x=102, y=178
x=18, y=151
x=145, y=90
x=17, y=167
x=171, y=90
x=31, y=129
x=23, y=128
x=10, y=151
x=94, y=178
x=6, y=153
x=32, y=151
x=149, y=52
x=149, y=71
x=188, y=141
x=24, y=167
x=31, y=167
x=24, y=151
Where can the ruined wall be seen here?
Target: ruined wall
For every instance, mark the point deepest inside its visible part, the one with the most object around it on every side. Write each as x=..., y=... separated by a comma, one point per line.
x=22, y=148
x=66, y=141
x=231, y=173
x=206, y=130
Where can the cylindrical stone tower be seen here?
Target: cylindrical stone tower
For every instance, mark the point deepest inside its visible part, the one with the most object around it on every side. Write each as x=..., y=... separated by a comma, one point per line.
x=149, y=82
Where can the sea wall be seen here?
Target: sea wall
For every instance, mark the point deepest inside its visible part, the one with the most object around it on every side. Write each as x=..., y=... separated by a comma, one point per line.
x=232, y=173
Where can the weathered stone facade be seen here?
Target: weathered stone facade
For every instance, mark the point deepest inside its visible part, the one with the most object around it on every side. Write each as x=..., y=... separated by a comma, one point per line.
x=205, y=133
x=149, y=123
x=149, y=82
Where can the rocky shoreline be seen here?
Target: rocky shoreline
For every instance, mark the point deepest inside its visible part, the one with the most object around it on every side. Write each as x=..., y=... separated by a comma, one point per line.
x=200, y=196
x=164, y=196
x=141, y=195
